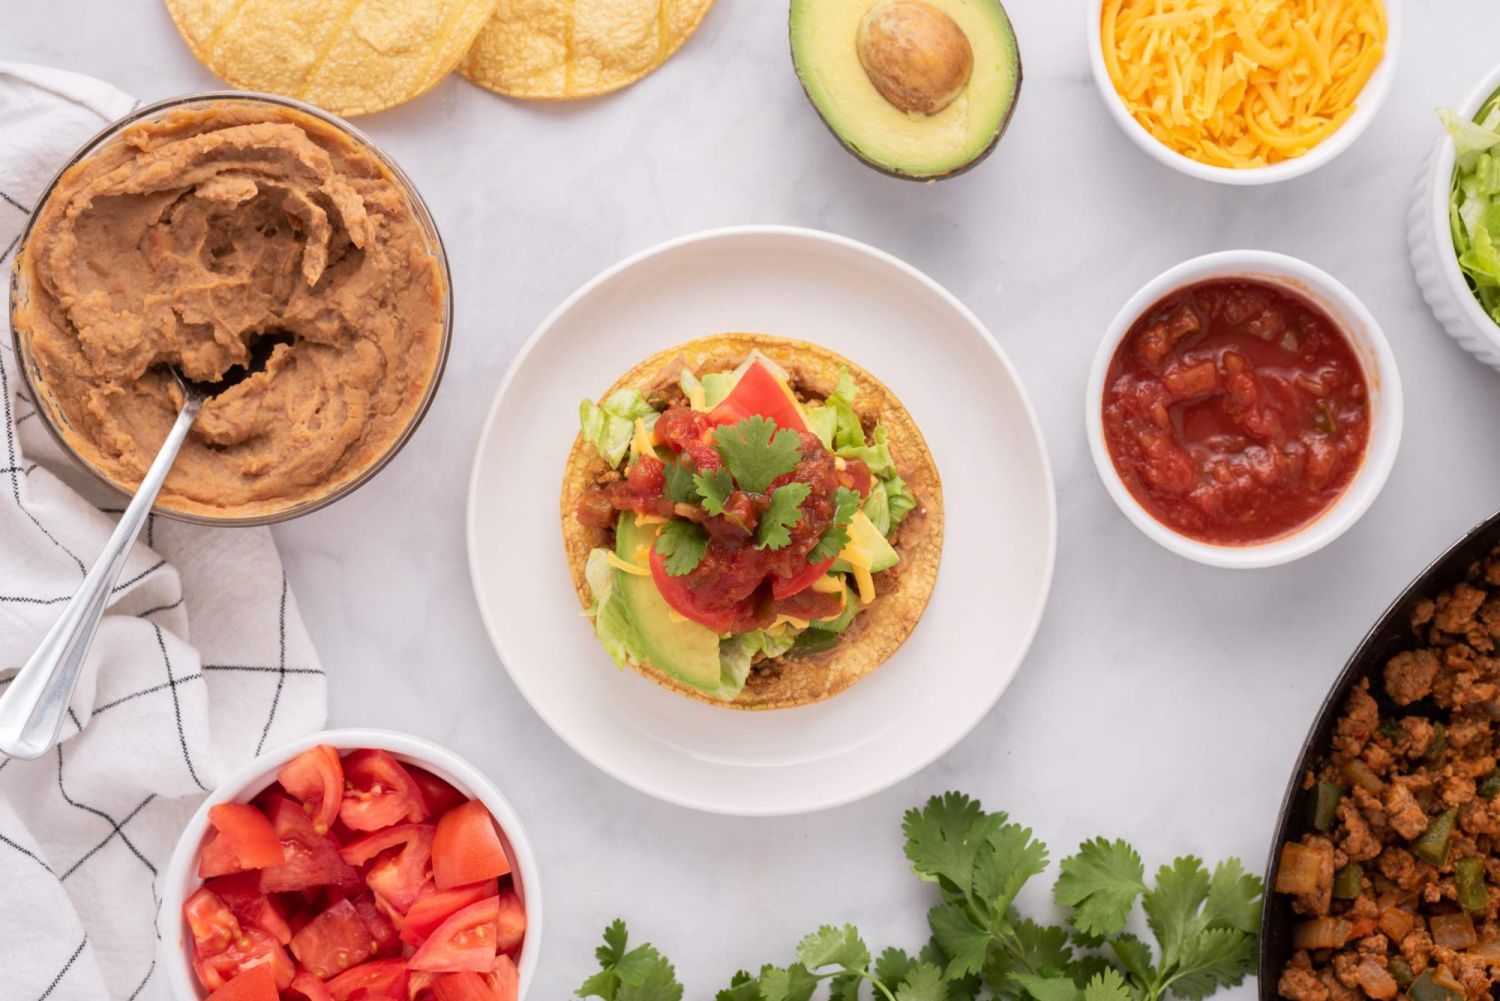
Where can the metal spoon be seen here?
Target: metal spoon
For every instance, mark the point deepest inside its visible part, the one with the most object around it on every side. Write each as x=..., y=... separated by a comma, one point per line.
x=33, y=707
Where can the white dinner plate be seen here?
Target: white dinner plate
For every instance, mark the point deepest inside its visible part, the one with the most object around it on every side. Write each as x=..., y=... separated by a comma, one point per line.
x=998, y=548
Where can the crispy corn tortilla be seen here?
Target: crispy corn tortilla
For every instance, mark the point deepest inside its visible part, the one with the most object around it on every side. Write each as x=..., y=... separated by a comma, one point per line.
x=560, y=49
x=352, y=57
x=902, y=592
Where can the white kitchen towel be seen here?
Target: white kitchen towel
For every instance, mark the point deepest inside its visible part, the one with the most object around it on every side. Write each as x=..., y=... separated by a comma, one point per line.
x=201, y=663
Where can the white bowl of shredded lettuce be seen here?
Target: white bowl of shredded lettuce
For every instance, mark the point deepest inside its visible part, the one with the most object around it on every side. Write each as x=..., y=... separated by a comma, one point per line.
x=1454, y=229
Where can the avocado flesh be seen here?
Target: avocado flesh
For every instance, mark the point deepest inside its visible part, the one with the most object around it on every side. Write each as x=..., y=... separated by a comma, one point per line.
x=684, y=649
x=924, y=147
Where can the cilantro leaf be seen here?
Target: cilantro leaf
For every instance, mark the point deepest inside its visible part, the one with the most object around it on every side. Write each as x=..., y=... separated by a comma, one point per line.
x=757, y=453
x=714, y=487
x=1003, y=863
x=893, y=965
x=965, y=943
x=1233, y=898
x=845, y=988
x=836, y=536
x=1101, y=884
x=1043, y=948
x=1218, y=957
x=774, y=529
x=943, y=838
x=1172, y=906
x=1107, y=985
x=681, y=487
x=1047, y=987
x=683, y=544
x=742, y=987
x=641, y=974
x=923, y=983
x=830, y=946
x=1134, y=955
x=791, y=983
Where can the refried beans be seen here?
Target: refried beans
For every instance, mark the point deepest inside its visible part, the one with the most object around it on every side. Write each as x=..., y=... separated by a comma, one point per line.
x=198, y=238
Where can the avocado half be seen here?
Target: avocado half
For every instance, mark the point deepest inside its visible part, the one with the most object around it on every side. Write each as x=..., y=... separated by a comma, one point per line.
x=830, y=55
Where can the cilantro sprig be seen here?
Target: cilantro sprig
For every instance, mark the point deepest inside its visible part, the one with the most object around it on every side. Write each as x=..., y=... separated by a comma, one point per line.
x=1205, y=923
x=785, y=512
x=714, y=487
x=836, y=536
x=682, y=544
x=756, y=452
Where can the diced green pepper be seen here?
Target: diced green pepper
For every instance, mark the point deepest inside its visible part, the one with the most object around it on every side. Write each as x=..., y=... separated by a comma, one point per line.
x=1437, y=743
x=1468, y=874
x=1400, y=971
x=1490, y=787
x=1349, y=881
x=1322, y=806
x=1426, y=988
x=1390, y=729
x=1432, y=846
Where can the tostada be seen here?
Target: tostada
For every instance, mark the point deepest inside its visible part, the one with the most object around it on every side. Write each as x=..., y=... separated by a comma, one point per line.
x=752, y=521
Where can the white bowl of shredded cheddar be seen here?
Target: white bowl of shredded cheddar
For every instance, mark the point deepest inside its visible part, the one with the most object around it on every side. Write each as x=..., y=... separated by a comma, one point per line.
x=1244, y=91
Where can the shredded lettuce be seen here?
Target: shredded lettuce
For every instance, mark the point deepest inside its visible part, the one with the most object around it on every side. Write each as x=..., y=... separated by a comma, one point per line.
x=610, y=425
x=1474, y=202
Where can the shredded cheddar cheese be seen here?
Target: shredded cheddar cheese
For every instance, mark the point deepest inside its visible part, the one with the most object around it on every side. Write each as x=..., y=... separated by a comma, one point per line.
x=619, y=564
x=1242, y=83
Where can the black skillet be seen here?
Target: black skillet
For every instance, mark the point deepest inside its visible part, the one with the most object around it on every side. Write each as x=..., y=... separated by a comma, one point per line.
x=1392, y=633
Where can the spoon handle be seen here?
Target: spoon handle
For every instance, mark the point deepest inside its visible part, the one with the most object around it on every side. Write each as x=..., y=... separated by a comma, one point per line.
x=33, y=707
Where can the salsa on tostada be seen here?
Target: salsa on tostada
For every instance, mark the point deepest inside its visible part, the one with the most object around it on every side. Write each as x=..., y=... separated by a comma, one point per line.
x=752, y=521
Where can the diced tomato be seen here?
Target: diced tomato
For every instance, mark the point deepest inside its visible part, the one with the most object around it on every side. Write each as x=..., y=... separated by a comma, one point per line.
x=439, y=795
x=504, y=980
x=758, y=392
x=256, y=984
x=397, y=875
x=212, y=924
x=466, y=847
x=461, y=987
x=680, y=598
x=419, y=986
x=309, y=987
x=244, y=839
x=241, y=894
x=383, y=978
x=510, y=921
x=435, y=906
x=378, y=792
x=333, y=942
x=312, y=859
x=785, y=587
x=383, y=931
x=252, y=948
x=465, y=942
x=316, y=778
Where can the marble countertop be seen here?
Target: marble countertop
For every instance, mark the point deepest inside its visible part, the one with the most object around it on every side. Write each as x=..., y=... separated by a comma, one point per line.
x=1163, y=701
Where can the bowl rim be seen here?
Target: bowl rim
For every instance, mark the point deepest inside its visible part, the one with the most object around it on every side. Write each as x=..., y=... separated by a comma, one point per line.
x=1367, y=107
x=1439, y=186
x=1376, y=358
x=419, y=209
x=179, y=878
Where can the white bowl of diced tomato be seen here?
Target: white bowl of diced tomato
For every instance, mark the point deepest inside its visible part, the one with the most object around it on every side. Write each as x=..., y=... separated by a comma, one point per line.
x=352, y=864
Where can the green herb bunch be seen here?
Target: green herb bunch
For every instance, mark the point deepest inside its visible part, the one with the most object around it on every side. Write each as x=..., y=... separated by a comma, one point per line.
x=1205, y=924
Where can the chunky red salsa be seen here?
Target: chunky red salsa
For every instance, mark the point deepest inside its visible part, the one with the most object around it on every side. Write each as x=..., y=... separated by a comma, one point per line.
x=737, y=586
x=1235, y=411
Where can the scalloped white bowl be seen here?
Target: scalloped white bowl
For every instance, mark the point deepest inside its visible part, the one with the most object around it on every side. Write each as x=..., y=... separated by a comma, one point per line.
x=1434, y=260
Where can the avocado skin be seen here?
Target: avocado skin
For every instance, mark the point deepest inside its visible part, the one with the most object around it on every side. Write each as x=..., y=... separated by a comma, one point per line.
x=685, y=650
x=978, y=158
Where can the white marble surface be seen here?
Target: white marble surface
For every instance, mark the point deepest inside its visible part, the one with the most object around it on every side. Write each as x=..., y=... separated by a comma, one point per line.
x=1163, y=701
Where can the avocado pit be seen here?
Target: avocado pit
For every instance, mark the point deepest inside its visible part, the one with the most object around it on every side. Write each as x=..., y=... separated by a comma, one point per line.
x=915, y=55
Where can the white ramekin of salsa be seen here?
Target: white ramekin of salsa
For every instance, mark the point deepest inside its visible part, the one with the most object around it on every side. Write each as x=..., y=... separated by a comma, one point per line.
x=1244, y=409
